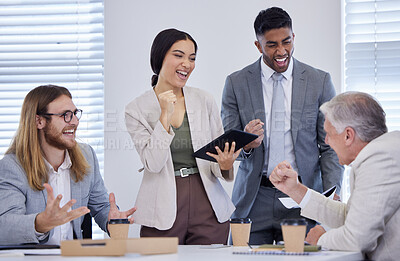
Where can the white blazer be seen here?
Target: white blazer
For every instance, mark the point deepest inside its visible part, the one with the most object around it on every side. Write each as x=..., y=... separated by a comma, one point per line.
x=370, y=221
x=156, y=200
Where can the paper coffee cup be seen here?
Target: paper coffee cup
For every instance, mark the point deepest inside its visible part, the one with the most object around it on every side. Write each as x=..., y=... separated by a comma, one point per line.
x=240, y=230
x=118, y=228
x=294, y=233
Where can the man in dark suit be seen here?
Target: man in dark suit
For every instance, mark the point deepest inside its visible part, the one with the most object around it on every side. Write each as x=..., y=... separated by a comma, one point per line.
x=289, y=125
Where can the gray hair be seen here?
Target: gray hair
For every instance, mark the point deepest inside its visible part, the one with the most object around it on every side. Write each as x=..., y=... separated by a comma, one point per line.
x=357, y=110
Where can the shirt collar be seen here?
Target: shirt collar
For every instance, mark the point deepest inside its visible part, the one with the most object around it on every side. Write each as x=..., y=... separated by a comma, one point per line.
x=267, y=71
x=65, y=165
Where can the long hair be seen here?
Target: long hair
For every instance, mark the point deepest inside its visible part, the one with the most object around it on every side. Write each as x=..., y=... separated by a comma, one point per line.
x=26, y=145
x=161, y=44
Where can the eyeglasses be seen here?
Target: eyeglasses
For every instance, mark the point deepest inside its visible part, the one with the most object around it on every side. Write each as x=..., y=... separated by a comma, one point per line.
x=67, y=115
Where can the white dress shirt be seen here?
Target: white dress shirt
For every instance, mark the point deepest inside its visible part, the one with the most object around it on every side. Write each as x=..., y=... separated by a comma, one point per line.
x=60, y=182
x=267, y=85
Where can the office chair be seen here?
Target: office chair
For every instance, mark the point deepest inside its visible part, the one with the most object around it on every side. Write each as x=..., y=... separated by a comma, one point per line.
x=87, y=226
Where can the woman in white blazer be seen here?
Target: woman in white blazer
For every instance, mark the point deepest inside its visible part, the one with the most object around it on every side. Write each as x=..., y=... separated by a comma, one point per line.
x=180, y=195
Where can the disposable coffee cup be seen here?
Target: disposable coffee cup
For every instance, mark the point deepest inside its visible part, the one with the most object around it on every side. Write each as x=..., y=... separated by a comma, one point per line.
x=294, y=233
x=118, y=228
x=240, y=230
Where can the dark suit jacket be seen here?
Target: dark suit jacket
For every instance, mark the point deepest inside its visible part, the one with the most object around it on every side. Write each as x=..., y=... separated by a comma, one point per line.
x=242, y=101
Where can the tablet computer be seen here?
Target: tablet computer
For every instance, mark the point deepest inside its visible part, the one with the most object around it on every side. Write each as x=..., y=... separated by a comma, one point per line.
x=241, y=138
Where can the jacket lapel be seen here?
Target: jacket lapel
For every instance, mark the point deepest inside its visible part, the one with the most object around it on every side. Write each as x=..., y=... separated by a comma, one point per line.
x=194, y=111
x=298, y=95
x=44, y=192
x=254, y=86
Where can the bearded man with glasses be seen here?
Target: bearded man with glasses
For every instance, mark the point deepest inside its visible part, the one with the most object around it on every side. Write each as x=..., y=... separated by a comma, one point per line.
x=48, y=181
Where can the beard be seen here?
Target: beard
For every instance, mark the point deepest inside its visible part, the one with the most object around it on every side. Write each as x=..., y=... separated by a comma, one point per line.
x=54, y=138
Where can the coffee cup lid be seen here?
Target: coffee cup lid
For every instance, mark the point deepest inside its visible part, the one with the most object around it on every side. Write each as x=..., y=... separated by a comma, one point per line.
x=240, y=220
x=119, y=221
x=294, y=222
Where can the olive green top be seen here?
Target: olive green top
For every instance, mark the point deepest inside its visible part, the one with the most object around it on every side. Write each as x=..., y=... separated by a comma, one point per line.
x=181, y=147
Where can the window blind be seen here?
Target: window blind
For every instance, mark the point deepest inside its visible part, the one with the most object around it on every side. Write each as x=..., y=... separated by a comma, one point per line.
x=372, y=57
x=372, y=53
x=52, y=42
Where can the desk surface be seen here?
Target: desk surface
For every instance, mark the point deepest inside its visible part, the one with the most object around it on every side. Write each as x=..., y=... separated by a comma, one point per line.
x=205, y=253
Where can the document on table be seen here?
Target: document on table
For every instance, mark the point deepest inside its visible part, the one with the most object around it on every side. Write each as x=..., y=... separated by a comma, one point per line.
x=21, y=250
x=290, y=203
x=30, y=252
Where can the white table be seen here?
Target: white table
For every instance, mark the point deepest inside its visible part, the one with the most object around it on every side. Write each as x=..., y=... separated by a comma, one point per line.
x=203, y=253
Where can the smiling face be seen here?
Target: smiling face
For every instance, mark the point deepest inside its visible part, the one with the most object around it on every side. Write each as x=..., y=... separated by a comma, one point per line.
x=56, y=132
x=178, y=64
x=276, y=46
x=337, y=141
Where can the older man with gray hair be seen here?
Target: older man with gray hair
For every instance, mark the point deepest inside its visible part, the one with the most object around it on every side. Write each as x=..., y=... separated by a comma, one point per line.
x=356, y=129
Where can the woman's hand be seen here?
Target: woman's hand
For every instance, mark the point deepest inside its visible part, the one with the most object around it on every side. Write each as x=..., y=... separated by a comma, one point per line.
x=227, y=157
x=167, y=102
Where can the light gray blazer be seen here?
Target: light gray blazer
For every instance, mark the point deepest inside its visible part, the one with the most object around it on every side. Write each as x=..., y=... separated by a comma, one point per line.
x=19, y=203
x=156, y=200
x=242, y=101
x=370, y=221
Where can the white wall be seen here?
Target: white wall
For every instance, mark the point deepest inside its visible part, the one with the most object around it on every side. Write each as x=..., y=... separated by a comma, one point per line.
x=224, y=32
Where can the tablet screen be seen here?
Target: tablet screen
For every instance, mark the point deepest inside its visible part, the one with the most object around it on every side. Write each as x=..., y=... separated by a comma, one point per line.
x=241, y=138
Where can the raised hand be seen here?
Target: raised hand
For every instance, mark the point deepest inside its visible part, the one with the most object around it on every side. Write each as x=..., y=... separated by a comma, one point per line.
x=286, y=180
x=227, y=157
x=115, y=213
x=284, y=177
x=255, y=127
x=54, y=215
x=167, y=102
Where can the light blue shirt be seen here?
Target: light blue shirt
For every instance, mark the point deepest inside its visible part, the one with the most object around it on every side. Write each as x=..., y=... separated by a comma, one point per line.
x=267, y=85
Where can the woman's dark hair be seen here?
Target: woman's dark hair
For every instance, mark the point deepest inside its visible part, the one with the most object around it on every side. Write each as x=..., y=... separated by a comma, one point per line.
x=271, y=18
x=161, y=44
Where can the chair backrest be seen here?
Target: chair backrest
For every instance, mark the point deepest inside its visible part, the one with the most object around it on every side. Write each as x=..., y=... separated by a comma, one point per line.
x=87, y=226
